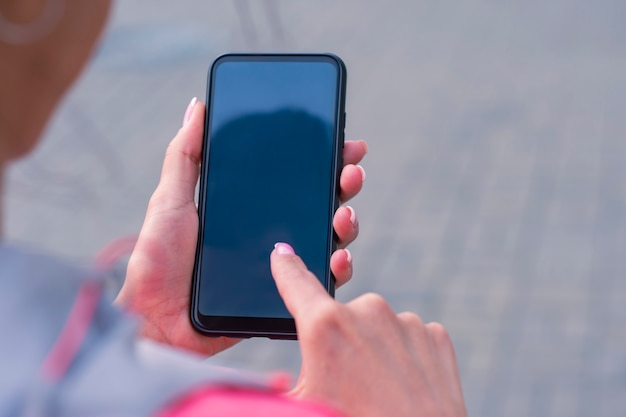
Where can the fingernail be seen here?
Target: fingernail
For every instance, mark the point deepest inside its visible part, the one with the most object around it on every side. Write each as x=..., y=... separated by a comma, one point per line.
x=352, y=216
x=362, y=172
x=189, y=110
x=365, y=147
x=348, y=256
x=284, y=249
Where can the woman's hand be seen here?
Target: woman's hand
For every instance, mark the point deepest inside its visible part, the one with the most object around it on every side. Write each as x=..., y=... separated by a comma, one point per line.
x=361, y=357
x=158, y=278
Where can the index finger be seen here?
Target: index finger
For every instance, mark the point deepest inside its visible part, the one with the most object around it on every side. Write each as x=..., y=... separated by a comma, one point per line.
x=299, y=288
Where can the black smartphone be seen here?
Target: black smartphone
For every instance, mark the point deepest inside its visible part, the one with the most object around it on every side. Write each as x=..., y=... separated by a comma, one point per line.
x=270, y=173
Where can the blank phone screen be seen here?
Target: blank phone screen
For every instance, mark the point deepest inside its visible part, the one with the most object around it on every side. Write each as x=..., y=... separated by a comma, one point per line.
x=270, y=177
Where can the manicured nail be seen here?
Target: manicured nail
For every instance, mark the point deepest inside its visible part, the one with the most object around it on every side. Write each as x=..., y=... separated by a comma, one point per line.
x=284, y=249
x=348, y=256
x=352, y=216
x=364, y=145
x=189, y=110
x=362, y=172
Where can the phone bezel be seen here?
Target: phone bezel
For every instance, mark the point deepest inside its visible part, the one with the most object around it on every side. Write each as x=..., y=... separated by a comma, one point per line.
x=277, y=328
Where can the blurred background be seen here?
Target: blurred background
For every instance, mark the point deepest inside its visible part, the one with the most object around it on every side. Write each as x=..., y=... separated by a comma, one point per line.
x=495, y=200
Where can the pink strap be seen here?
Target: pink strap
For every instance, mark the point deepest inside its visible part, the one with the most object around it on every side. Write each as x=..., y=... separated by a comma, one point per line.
x=58, y=360
x=71, y=338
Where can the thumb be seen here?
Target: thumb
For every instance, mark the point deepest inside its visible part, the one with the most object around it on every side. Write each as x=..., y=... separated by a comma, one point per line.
x=299, y=288
x=181, y=166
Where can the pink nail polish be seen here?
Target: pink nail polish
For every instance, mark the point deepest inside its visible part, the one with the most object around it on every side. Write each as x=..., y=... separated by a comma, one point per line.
x=362, y=171
x=352, y=215
x=284, y=249
x=348, y=256
x=189, y=110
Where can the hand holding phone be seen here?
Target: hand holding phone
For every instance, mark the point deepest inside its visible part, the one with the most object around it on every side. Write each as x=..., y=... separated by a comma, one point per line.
x=159, y=274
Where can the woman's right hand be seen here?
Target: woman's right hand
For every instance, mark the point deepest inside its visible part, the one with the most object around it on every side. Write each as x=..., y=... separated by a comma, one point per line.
x=361, y=357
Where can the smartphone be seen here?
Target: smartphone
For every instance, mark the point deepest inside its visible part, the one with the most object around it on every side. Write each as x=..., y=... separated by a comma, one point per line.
x=272, y=157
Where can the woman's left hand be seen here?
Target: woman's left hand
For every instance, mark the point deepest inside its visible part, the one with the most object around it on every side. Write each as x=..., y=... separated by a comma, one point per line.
x=158, y=278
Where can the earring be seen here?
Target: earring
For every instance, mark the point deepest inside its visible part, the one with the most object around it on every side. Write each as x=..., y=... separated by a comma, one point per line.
x=19, y=34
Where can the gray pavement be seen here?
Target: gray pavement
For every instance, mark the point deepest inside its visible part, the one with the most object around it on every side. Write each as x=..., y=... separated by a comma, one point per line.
x=495, y=200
